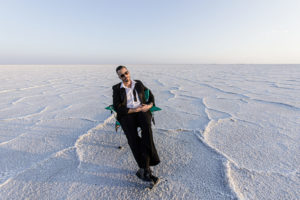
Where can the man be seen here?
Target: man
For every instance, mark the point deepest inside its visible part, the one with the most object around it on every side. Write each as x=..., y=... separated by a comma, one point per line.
x=133, y=112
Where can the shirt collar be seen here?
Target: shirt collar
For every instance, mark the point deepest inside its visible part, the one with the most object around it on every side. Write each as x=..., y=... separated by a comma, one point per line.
x=132, y=84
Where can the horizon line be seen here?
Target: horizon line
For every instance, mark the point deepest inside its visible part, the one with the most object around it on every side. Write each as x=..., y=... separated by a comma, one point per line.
x=166, y=64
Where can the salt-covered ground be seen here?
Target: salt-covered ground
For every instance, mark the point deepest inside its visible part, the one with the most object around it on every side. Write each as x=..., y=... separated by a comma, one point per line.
x=225, y=132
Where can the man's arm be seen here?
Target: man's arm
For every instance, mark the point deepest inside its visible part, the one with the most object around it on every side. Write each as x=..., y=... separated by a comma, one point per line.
x=151, y=99
x=122, y=110
x=150, y=102
x=134, y=110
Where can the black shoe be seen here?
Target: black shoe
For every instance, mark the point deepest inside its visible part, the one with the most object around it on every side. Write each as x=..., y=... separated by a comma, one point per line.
x=140, y=173
x=155, y=179
x=147, y=175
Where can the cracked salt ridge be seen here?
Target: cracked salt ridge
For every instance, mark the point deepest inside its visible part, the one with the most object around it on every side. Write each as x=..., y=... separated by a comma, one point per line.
x=37, y=182
x=201, y=136
x=89, y=132
x=47, y=165
x=168, y=169
x=231, y=164
x=27, y=88
x=226, y=160
x=241, y=95
x=40, y=111
x=57, y=166
x=294, y=108
x=8, y=176
x=13, y=175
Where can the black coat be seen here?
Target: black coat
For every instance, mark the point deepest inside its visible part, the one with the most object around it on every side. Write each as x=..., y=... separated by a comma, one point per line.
x=120, y=99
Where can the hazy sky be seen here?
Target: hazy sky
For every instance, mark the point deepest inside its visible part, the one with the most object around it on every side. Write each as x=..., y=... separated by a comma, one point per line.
x=149, y=31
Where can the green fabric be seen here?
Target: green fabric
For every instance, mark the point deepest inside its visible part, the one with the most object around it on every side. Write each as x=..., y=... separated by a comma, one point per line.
x=154, y=108
x=147, y=94
x=111, y=108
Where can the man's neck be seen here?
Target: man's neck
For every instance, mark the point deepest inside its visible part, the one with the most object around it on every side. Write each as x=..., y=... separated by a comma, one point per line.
x=128, y=84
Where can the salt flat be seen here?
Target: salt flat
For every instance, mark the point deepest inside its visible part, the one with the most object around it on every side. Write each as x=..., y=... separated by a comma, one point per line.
x=225, y=132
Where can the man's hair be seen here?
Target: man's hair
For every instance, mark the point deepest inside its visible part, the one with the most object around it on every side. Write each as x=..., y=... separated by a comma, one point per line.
x=120, y=67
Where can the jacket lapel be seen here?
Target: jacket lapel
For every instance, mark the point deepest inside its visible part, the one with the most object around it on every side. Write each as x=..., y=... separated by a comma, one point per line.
x=123, y=96
x=139, y=89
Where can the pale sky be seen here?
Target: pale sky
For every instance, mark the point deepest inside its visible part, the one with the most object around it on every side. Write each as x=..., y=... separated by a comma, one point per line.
x=149, y=31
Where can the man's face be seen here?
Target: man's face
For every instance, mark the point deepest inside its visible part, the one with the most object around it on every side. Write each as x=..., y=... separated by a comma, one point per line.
x=124, y=75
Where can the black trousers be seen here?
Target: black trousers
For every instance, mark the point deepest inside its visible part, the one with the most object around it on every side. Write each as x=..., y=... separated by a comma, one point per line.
x=143, y=148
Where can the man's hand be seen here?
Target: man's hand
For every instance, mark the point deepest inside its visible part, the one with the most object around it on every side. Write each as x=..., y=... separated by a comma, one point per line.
x=143, y=108
x=138, y=109
x=146, y=107
x=134, y=110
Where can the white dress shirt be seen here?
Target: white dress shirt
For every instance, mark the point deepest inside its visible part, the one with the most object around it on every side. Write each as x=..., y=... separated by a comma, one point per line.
x=130, y=97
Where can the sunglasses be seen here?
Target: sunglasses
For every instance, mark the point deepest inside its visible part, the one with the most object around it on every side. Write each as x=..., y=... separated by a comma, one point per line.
x=123, y=75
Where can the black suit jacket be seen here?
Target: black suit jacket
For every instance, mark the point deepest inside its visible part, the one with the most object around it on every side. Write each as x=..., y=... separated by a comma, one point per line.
x=120, y=98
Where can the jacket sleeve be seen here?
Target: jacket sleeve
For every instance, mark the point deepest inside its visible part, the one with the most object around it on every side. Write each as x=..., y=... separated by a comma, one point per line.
x=151, y=97
x=121, y=109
